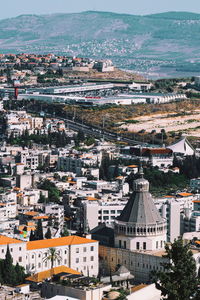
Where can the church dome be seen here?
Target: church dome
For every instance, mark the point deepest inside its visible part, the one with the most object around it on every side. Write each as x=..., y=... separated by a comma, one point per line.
x=141, y=185
x=140, y=209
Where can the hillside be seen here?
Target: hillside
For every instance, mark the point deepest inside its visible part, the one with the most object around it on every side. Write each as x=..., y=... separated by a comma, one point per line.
x=167, y=41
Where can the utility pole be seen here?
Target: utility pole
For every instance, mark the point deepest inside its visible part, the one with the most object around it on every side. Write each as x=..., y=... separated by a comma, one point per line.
x=74, y=113
x=103, y=126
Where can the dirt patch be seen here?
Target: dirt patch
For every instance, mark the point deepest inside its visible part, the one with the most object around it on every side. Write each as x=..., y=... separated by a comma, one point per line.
x=188, y=123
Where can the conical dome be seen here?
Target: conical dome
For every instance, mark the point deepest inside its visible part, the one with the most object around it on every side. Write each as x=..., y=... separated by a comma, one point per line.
x=140, y=208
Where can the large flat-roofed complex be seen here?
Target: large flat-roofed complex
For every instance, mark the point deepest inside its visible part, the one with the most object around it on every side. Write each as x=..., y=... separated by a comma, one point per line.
x=115, y=100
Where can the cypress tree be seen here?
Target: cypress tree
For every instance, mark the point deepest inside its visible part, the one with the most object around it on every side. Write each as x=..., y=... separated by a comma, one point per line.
x=19, y=270
x=179, y=279
x=48, y=234
x=32, y=236
x=9, y=274
x=39, y=231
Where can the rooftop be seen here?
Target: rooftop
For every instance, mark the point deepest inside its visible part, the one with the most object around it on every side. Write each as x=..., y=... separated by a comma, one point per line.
x=41, y=276
x=5, y=240
x=63, y=241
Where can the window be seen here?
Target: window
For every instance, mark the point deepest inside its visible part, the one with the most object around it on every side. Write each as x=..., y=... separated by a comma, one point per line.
x=39, y=265
x=77, y=250
x=120, y=243
x=77, y=260
x=11, y=249
x=144, y=246
x=65, y=251
x=92, y=248
x=20, y=259
x=92, y=258
x=39, y=255
x=124, y=244
x=157, y=245
x=32, y=256
x=106, y=211
x=85, y=249
x=84, y=259
x=91, y=267
x=138, y=245
x=112, y=211
x=2, y=251
x=20, y=248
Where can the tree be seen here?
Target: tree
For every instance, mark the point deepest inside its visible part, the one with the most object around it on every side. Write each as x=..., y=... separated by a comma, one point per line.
x=48, y=234
x=52, y=256
x=9, y=274
x=179, y=279
x=42, y=198
x=39, y=231
x=20, y=274
x=65, y=232
x=53, y=192
x=32, y=236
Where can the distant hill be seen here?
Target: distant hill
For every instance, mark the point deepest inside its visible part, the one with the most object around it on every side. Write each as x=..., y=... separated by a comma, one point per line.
x=166, y=40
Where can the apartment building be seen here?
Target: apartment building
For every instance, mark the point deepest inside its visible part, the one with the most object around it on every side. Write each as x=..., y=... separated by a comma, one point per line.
x=57, y=213
x=96, y=212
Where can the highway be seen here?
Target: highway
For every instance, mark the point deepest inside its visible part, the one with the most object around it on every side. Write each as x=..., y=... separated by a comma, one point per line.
x=99, y=133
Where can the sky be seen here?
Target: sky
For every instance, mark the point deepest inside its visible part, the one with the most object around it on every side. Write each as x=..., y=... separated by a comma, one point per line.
x=12, y=8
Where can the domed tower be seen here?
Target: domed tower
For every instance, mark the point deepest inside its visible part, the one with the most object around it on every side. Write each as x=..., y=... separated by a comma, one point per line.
x=140, y=226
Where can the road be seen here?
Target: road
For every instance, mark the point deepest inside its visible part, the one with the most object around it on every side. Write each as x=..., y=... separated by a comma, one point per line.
x=99, y=133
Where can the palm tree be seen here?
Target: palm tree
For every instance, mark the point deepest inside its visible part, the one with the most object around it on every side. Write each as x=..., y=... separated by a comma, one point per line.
x=53, y=255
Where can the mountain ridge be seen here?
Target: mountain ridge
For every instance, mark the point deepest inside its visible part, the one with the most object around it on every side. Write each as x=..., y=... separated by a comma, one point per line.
x=131, y=41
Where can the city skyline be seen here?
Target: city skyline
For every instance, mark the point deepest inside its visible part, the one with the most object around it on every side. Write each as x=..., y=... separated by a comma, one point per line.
x=11, y=9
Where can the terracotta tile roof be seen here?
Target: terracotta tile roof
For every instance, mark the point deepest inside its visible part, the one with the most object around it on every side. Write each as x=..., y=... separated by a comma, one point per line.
x=29, y=227
x=132, y=166
x=185, y=194
x=16, y=189
x=40, y=217
x=196, y=201
x=5, y=240
x=91, y=199
x=31, y=213
x=41, y=276
x=63, y=241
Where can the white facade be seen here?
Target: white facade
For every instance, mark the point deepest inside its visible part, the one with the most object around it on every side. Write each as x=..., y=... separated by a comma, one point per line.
x=97, y=212
x=170, y=210
x=77, y=253
x=57, y=212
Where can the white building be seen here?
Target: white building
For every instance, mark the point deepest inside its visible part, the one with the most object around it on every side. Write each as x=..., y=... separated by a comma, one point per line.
x=57, y=212
x=98, y=212
x=170, y=210
x=78, y=253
